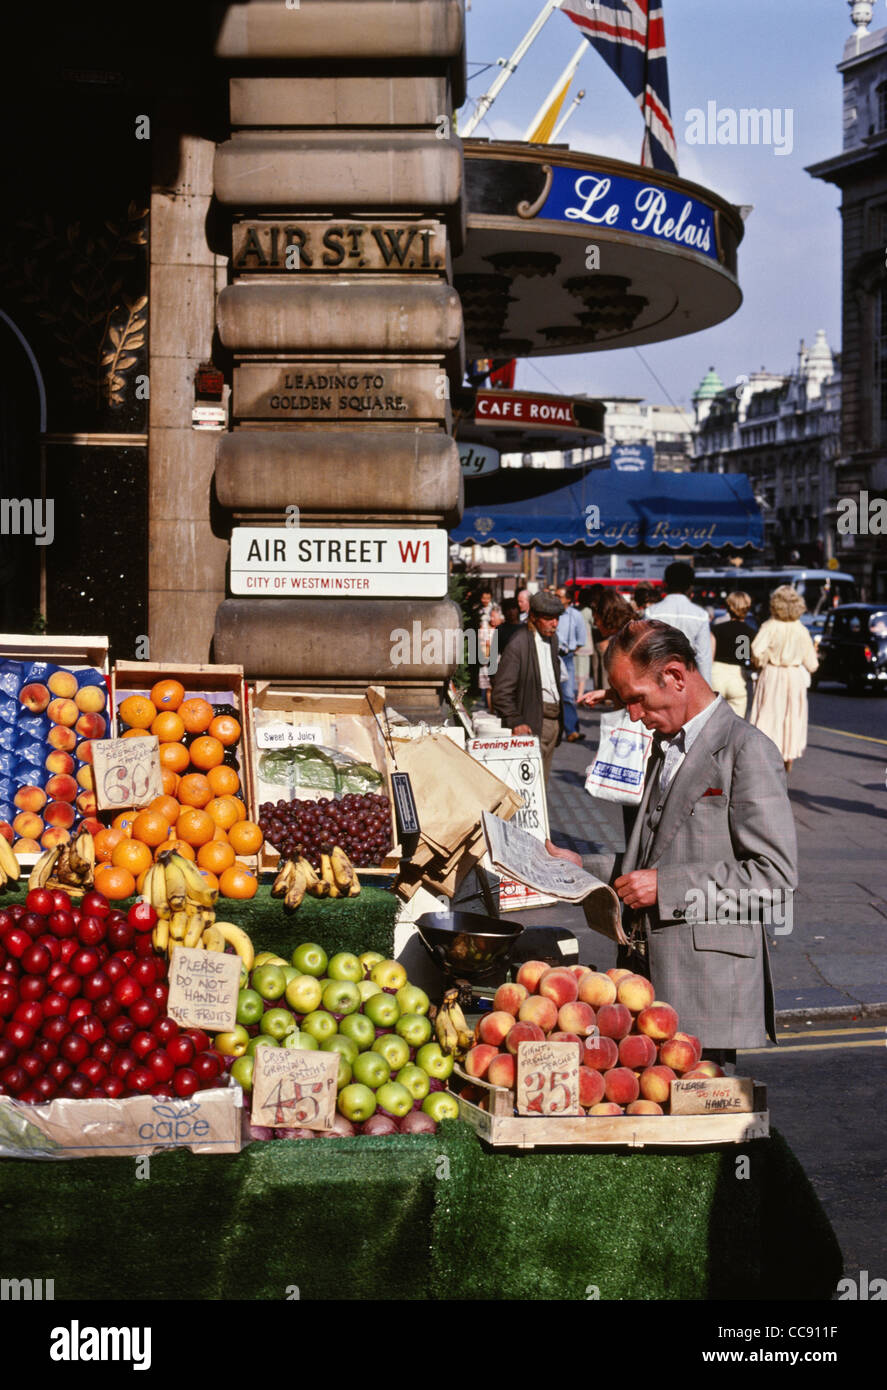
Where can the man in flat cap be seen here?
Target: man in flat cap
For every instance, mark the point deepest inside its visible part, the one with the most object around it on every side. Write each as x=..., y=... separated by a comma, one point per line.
x=526, y=686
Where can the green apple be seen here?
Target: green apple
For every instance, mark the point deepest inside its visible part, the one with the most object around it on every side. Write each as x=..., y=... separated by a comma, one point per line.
x=244, y=978
x=319, y=1024
x=277, y=1023
x=260, y=1040
x=415, y=1080
x=250, y=1007
x=388, y=974
x=242, y=1072
x=302, y=1042
x=368, y=959
x=357, y=1103
x=441, y=1105
x=270, y=982
x=292, y=973
x=394, y=1098
x=304, y=994
x=344, y=1075
x=234, y=1043
x=310, y=959
x=371, y=1069
x=367, y=988
x=395, y=1051
x=414, y=1028
x=360, y=1028
x=413, y=1000
x=433, y=1060
x=347, y=1047
x=345, y=966
x=382, y=1009
x=341, y=997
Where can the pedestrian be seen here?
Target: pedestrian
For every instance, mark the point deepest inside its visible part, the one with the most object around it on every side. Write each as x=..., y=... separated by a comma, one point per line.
x=511, y=625
x=585, y=655
x=488, y=651
x=527, y=689
x=677, y=610
x=784, y=654
x=643, y=596
x=523, y=603
x=571, y=634
x=714, y=830
x=731, y=653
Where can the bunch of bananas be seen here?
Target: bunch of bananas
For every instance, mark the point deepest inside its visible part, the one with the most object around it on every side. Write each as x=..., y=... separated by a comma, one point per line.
x=337, y=878
x=9, y=865
x=451, y=1026
x=70, y=867
x=186, y=910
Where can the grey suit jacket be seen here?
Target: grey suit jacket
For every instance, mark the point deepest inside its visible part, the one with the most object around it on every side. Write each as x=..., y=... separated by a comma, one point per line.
x=726, y=826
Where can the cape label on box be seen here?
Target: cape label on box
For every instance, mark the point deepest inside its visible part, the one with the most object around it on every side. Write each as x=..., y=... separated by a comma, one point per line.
x=294, y=1089
x=357, y=562
x=336, y=244
x=341, y=391
x=127, y=772
x=203, y=989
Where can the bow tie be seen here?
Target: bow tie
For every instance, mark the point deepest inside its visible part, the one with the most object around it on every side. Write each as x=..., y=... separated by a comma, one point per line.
x=666, y=741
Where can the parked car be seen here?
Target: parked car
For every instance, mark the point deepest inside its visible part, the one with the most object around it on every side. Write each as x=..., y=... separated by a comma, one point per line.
x=853, y=647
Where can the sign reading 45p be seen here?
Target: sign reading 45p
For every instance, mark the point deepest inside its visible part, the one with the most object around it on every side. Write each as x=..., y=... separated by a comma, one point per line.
x=349, y=561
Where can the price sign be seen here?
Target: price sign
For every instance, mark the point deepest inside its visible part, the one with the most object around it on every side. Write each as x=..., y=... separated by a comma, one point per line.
x=294, y=1089
x=127, y=772
x=548, y=1078
x=203, y=988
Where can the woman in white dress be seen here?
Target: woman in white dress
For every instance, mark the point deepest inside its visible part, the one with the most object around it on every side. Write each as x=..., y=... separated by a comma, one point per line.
x=784, y=654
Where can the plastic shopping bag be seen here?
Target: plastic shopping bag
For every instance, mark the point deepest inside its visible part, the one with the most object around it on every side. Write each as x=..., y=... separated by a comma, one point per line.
x=617, y=773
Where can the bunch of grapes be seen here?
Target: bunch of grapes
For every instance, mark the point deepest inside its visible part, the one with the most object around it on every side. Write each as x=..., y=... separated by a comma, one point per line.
x=361, y=825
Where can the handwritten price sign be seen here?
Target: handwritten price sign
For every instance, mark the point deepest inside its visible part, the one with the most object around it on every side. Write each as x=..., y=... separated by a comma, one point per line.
x=547, y=1078
x=127, y=772
x=293, y=1089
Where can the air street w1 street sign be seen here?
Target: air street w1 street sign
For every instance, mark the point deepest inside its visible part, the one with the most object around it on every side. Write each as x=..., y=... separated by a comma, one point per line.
x=322, y=562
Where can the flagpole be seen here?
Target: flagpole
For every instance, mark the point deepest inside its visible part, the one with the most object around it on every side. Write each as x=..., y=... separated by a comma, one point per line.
x=565, y=77
x=508, y=67
x=580, y=96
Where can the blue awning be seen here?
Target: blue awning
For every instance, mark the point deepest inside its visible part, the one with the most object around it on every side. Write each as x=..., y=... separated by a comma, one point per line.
x=604, y=507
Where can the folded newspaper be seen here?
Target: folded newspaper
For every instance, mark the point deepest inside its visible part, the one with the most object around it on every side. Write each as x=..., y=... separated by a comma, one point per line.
x=517, y=854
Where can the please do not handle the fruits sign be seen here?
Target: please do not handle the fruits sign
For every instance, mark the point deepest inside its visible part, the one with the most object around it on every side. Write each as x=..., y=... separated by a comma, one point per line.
x=203, y=988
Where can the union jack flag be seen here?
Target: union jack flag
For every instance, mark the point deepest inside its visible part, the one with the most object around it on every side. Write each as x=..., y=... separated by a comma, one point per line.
x=630, y=37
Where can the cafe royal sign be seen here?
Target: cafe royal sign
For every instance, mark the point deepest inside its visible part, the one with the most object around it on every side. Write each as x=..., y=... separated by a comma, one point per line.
x=352, y=561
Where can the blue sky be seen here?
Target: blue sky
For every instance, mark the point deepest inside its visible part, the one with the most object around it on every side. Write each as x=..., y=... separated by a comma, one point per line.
x=752, y=53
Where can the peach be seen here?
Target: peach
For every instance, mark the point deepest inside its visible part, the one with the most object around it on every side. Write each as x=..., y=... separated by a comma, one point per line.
x=613, y=1021
x=57, y=762
x=655, y=1083
x=523, y=1032
x=539, y=1010
x=86, y=804
x=61, y=788
x=704, y=1068
x=576, y=1018
x=688, y=1037
x=86, y=778
x=502, y=1071
x=91, y=725
x=617, y=974
x=591, y=1087
x=597, y=989
x=90, y=699
x=568, y=1037
x=26, y=845
x=59, y=813
x=83, y=751
x=579, y=972
x=30, y=798
x=479, y=1058
x=63, y=683
x=635, y=993
x=495, y=1027
x=56, y=836
x=679, y=1055
x=644, y=1107
x=621, y=1086
x=29, y=826
x=63, y=712
x=34, y=697
x=659, y=1021
x=510, y=997
x=60, y=736
x=92, y=825
x=531, y=973
x=600, y=1054
x=559, y=986
x=7, y=831
x=606, y=1107
x=637, y=1051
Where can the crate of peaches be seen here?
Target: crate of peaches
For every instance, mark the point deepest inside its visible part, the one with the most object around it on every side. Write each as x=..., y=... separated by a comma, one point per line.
x=196, y=713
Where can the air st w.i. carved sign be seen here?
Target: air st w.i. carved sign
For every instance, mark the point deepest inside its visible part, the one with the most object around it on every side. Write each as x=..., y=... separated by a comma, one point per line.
x=300, y=244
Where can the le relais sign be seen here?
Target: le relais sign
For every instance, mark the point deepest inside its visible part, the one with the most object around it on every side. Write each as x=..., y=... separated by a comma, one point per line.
x=350, y=562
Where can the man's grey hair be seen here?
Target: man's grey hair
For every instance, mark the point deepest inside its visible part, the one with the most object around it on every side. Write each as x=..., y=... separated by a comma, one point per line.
x=650, y=644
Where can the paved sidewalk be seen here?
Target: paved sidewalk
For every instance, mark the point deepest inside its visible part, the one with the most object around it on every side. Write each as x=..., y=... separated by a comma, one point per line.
x=834, y=961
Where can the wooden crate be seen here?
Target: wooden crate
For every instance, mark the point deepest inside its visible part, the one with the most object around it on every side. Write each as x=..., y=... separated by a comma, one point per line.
x=501, y=1128
x=280, y=695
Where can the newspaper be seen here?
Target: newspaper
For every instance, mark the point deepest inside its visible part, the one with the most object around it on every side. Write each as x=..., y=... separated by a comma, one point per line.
x=516, y=854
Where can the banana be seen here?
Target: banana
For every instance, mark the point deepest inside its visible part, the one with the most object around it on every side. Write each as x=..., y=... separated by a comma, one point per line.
x=284, y=879
x=154, y=891
x=213, y=940
x=355, y=887
x=446, y=1031
x=451, y=1026
x=296, y=890
x=194, y=929
x=8, y=862
x=238, y=938
x=178, y=925
x=43, y=868
x=316, y=886
x=196, y=888
x=176, y=887
x=81, y=855
x=343, y=870
x=327, y=876
x=160, y=935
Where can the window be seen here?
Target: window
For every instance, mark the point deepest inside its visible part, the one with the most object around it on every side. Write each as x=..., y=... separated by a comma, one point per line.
x=881, y=98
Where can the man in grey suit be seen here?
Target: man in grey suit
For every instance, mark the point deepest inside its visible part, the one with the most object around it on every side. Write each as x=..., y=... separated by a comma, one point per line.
x=712, y=853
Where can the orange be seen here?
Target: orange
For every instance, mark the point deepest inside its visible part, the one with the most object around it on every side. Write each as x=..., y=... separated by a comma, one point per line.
x=174, y=756
x=196, y=714
x=226, y=729
x=238, y=805
x=124, y=822
x=222, y=811
x=168, y=694
x=132, y=855
x=180, y=847
x=167, y=806
x=220, y=833
x=137, y=712
x=194, y=790
x=211, y=881
x=168, y=727
x=195, y=826
x=151, y=828
x=238, y=882
x=105, y=842
x=170, y=781
x=223, y=780
x=140, y=881
x=114, y=882
x=216, y=856
x=134, y=733
x=245, y=837
x=206, y=752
